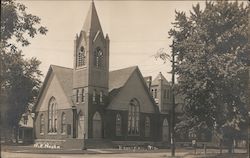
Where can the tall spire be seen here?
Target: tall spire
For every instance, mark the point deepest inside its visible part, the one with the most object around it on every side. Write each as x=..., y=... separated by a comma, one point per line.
x=92, y=23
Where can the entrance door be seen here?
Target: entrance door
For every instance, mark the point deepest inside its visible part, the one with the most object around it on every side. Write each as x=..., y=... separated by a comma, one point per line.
x=165, y=130
x=80, y=130
x=97, y=125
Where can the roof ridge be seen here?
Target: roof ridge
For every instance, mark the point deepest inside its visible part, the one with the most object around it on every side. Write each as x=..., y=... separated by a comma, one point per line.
x=52, y=65
x=130, y=67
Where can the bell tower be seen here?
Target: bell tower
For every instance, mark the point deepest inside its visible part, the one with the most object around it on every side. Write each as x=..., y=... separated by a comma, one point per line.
x=91, y=68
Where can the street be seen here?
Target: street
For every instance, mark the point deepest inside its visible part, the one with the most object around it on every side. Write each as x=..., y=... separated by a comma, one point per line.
x=20, y=152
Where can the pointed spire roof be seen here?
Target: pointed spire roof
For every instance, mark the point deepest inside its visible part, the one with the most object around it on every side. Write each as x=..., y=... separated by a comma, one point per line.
x=92, y=23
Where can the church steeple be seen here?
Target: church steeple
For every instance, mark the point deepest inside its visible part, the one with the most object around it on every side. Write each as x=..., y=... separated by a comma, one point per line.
x=92, y=23
x=91, y=55
x=91, y=67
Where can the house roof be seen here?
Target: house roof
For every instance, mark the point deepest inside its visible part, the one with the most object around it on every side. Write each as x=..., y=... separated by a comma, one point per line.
x=117, y=79
x=160, y=77
x=65, y=77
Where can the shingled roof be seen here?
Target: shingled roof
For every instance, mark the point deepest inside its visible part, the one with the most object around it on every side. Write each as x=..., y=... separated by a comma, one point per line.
x=117, y=79
x=65, y=77
x=158, y=77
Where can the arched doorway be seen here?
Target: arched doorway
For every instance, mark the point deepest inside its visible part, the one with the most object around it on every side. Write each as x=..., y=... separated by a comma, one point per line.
x=165, y=130
x=80, y=128
x=97, y=125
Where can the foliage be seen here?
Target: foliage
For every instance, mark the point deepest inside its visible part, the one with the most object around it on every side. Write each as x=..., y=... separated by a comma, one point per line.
x=211, y=47
x=17, y=25
x=19, y=77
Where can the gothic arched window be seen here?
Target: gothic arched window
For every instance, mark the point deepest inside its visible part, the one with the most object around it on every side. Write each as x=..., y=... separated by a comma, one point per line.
x=63, y=123
x=52, y=117
x=118, y=125
x=81, y=59
x=98, y=57
x=42, y=124
x=133, y=117
x=147, y=127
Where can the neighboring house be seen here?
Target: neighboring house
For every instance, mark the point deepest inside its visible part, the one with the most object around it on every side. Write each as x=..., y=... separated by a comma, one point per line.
x=25, y=128
x=88, y=105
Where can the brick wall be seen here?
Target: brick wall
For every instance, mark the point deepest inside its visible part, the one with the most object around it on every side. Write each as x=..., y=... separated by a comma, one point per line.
x=58, y=134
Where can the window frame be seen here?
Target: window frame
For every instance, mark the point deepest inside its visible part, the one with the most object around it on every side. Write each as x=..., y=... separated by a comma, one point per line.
x=63, y=123
x=147, y=126
x=134, y=117
x=118, y=124
x=42, y=124
x=52, y=116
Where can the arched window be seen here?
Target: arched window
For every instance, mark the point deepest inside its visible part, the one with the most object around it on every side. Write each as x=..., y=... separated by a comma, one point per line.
x=42, y=124
x=101, y=96
x=133, y=117
x=165, y=130
x=98, y=57
x=80, y=129
x=147, y=127
x=63, y=123
x=118, y=125
x=94, y=96
x=97, y=125
x=81, y=59
x=52, y=117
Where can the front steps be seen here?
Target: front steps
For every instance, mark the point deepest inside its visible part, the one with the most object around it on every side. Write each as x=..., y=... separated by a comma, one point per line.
x=74, y=143
x=98, y=144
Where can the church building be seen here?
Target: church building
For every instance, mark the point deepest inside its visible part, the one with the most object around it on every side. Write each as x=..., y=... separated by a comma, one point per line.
x=88, y=103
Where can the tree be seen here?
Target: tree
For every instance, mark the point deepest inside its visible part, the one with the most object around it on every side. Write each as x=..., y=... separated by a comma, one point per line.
x=211, y=46
x=19, y=77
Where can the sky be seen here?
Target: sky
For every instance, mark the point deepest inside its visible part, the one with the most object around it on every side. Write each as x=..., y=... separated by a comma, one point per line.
x=137, y=30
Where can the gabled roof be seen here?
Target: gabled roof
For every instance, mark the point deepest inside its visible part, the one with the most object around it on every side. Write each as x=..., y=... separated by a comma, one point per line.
x=117, y=79
x=160, y=77
x=65, y=77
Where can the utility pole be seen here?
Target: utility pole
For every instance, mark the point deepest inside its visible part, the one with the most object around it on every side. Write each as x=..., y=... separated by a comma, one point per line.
x=173, y=105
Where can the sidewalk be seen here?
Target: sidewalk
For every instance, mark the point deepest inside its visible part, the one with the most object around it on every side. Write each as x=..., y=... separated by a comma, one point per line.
x=188, y=152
